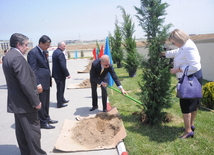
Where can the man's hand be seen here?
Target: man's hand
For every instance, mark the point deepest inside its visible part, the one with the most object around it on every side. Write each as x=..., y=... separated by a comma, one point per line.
x=123, y=91
x=68, y=77
x=39, y=88
x=39, y=106
x=104, y=84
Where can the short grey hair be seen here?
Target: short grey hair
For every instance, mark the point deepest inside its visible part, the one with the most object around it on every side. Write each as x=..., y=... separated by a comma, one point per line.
x=179, y=36
x=18, y=38
x=60, y=43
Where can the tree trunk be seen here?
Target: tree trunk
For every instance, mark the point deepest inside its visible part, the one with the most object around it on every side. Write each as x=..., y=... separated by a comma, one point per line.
x=119, y=65
x=132, y=73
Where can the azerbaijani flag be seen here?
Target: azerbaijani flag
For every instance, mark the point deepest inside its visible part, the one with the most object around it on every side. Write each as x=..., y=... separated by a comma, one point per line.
x=108, y=52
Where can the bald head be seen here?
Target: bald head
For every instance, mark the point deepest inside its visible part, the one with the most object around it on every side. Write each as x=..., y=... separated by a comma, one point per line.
x=105, y=61
x=61, y=45
x=105, y=58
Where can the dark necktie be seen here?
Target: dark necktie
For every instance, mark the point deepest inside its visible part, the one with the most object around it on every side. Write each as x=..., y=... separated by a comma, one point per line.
x=44, y=54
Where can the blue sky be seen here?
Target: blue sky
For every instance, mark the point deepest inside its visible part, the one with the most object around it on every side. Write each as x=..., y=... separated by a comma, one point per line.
x=93, y=19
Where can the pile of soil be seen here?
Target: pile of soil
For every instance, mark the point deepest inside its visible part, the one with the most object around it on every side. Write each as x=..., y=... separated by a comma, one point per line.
x=88, y=67
x=85, y=84
x=98, y=131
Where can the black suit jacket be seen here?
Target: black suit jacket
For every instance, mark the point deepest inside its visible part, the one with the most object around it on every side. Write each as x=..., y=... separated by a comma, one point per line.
x=23, y=96
x=40, y=66
x=95, y=73
x=59, y=70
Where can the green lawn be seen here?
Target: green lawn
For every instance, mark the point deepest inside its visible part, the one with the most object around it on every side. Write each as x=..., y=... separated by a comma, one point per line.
x=143, y=139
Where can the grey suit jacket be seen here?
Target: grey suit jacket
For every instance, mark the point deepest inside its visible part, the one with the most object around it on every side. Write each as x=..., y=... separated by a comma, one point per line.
x=23, y=96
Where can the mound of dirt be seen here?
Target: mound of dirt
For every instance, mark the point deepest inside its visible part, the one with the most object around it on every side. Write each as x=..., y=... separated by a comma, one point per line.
x=85, y=84
x=88, y=67
x=98, y=131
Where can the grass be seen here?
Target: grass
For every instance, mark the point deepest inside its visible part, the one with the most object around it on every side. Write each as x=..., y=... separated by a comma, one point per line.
x=146, y=140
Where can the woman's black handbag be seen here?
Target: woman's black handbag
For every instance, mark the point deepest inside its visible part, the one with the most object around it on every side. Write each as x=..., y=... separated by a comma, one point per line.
x=188, y=87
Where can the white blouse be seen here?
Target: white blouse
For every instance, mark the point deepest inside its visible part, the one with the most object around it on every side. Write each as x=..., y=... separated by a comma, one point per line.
x=187, y=55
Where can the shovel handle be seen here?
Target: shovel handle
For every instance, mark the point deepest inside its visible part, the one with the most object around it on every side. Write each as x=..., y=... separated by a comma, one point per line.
x=125, y=95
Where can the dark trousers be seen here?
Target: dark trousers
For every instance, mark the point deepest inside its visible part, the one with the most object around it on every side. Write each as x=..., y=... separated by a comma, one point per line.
x=60, y=85
x=44, y=111
x=94, y=95
x=28, y=134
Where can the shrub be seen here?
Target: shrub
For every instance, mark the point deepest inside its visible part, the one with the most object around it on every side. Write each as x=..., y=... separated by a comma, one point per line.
x=69, y=54
x=132, y=57
x=208, y=95
x=82, y=54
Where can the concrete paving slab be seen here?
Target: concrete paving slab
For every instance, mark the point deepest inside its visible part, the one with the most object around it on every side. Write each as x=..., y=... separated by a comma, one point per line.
x=79, y=105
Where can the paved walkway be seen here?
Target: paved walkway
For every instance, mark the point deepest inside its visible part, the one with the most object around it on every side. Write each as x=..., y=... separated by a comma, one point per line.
x=79, y=105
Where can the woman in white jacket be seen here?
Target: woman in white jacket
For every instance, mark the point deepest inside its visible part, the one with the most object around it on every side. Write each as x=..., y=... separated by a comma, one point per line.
x=186, y=55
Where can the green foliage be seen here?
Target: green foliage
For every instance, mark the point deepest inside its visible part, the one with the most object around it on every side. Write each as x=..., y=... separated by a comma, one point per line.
x=208, y=95
x=82, y=54
x=156, y=78
x=98, y=48
x=116, y=42
x=141, y=138
x=69, y=54
x=132, y=57
x=149, y=16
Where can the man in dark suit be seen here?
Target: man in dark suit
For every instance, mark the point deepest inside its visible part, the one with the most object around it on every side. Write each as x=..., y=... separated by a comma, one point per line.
x=23, y=98
x=59, y=73
x=98, y=73
x=39, y=63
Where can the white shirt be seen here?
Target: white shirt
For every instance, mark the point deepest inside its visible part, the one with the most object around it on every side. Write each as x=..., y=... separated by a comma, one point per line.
x=187, y=55
x=40, y=49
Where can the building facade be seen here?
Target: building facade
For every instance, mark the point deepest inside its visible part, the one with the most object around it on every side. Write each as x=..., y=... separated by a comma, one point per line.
x=5, y=44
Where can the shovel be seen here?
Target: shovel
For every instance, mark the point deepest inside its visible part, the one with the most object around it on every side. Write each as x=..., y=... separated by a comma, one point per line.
x=126, y=95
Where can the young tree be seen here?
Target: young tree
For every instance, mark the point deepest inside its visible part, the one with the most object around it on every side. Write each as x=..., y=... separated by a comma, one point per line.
x=132, y=58
x=98, y=48
x=116, y=42
x=156, y=78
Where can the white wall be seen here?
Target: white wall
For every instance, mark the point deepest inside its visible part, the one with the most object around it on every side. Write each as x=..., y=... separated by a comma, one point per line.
x=206, y=51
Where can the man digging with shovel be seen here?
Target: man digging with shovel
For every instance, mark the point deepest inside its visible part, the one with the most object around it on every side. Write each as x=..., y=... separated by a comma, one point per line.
x=98, y=74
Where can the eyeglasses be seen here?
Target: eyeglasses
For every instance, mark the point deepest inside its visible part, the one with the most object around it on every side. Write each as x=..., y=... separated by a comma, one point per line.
x=107, y=65
x=173, y=43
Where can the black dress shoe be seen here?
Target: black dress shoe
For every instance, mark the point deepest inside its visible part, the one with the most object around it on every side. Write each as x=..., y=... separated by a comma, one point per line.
x=62, y=105
x=46, y=126
x=93, y=108
x=52, y=121
x=65, y=101
x=105, y=110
